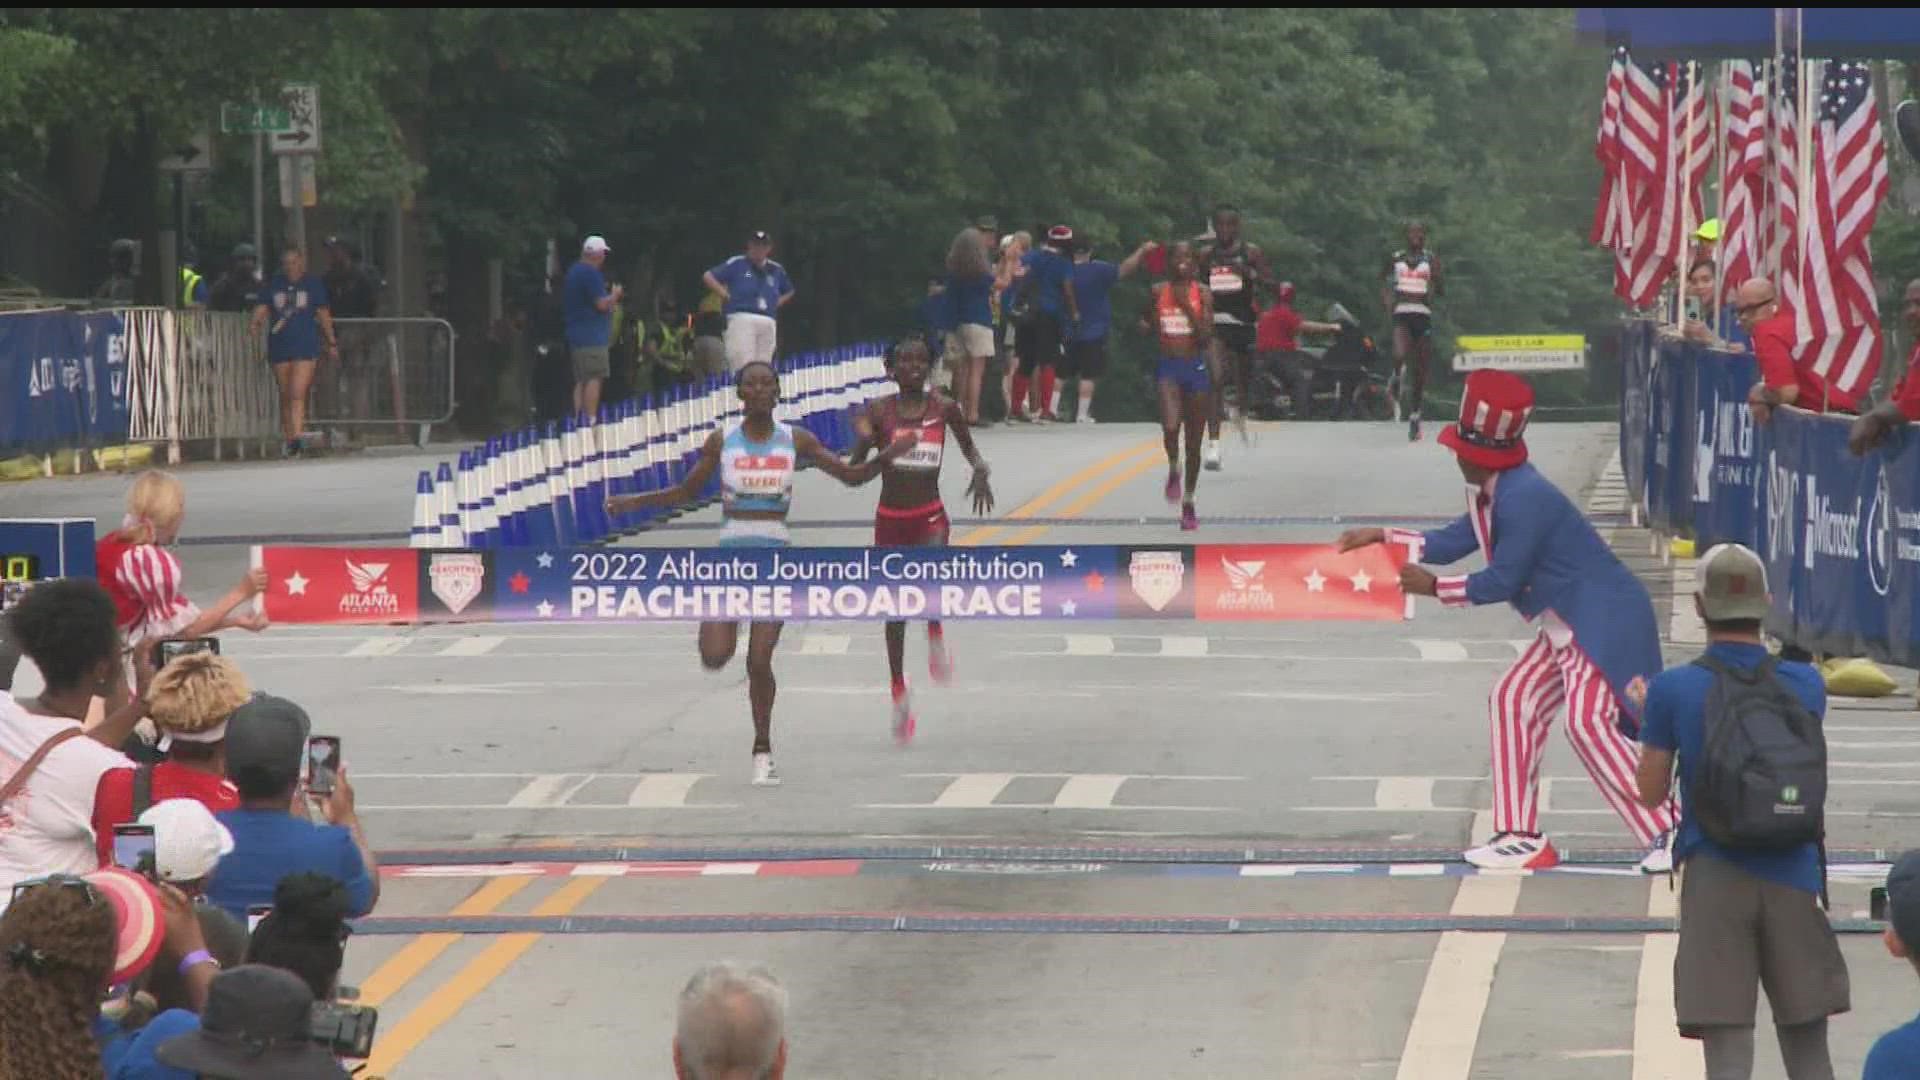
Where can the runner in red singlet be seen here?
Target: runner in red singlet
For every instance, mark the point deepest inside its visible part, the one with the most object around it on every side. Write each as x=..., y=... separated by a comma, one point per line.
x=911, y=513
x=1181, y=316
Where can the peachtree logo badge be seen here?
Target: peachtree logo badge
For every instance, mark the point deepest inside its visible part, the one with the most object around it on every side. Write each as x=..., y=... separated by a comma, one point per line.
x=1157, y=576
x=457, y=579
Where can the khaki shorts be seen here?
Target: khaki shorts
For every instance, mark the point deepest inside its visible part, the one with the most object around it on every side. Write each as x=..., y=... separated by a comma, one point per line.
x=1739, y=933
x=591, y=362
x=974, y=339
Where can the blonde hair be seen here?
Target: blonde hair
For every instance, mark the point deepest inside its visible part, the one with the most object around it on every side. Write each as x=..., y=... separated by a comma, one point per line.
x=196, y=692
x=967, y=255
x=157, y=500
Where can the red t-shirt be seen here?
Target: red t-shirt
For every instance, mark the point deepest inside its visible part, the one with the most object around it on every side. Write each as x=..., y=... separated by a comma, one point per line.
x=113, y=803
x=1906, y=396
x=1773, y=347
x=1278, y=330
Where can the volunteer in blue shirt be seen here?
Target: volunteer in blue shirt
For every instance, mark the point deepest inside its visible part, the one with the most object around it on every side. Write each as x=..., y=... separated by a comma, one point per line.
x=301, y=324
x=588, y=306
x=1085, y=358
x=1044, y=307
x=1896, y=1056
x=753, y=289
x=970, y=291
x=1749, y=917
x=266, y=740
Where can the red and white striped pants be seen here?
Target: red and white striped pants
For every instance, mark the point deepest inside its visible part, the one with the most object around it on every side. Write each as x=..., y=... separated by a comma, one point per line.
x=1523, y=705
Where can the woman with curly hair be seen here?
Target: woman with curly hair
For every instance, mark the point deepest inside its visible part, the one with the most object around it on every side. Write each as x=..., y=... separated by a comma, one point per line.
x=56, y=954
x=970, y=283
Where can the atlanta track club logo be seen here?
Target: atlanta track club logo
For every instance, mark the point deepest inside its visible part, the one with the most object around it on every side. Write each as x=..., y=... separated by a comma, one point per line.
x=370, y=595
x=457, y=579
x=1246, y=589
x=1157, y=576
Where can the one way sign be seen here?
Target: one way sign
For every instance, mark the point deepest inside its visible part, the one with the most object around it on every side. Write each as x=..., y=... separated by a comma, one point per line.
x=302, y=102
x=194, y=155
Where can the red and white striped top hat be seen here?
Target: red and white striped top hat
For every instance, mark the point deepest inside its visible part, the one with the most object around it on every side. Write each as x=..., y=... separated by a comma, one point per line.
x=1494, y=410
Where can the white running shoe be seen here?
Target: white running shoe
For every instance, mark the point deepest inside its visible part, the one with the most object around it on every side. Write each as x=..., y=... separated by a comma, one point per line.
x=1210, y=455
x=763, y=774
x=1513, y=851
x=1659, y=857
x=1084, y=418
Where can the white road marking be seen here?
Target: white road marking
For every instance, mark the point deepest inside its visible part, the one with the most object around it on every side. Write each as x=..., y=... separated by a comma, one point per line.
x=1872, y=728
x=825, y=644
x=973, y=790
x=379, y=646
x=1403, y=793
x=1546, y=794
x=1089, y=792
x=1904, y=744
x=1453, y=1001
x=472, y=646
x=730, y=869
x=1659, y=1053
x=660, y=791
x=552, y=789
x=1440, y=652
x=1183, y=646
x=1083, y=645
x=1417, y=870
x=1296, y=869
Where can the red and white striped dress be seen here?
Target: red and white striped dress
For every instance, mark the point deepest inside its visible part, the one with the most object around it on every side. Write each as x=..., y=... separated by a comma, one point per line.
x=149, y=595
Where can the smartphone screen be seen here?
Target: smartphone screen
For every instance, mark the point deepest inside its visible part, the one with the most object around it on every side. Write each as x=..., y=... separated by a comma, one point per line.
x=323, y=763
x=167, y=652
x=256, y=912
x=133, y=849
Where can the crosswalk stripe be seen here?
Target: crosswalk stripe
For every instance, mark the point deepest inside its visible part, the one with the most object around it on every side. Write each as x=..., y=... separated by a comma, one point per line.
x=1403, y=793
x=379, y=646
x=1453, y=1001
x=1444, y=652
x=553, y=789
x=472, y=646
x=1659, y=1053
x=664, y=790
x=1088, y=792
x=974, y=790
x=825, y=644
x=1089, y=645
x=1183, y=646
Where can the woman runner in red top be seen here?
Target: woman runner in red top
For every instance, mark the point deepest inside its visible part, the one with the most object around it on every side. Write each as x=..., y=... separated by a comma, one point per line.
x=1181, y=313
x=911, y=513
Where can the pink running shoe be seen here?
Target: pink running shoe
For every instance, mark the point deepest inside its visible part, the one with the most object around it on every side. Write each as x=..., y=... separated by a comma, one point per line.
x=1189, y=520
x=1173, y=487
x=903, y=721
x=939, y=660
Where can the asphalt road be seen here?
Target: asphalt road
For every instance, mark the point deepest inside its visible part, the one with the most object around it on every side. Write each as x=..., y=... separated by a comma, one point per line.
x=1115, y=850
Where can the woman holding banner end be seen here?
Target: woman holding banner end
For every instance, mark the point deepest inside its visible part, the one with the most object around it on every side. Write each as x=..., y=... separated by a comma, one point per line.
x=756, y=458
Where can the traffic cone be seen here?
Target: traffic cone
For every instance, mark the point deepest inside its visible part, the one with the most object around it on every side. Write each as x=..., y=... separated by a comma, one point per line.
x=426, y=515
x=600, y=452
x=558, y=438
x=453, y=491
x=510, y=509
x=491, y=495
x=573, y=437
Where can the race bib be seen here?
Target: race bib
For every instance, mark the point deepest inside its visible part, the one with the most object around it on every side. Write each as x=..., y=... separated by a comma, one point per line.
x=1223, y=279
x=927, y=453
x=1412, y=283
x=1175, y=324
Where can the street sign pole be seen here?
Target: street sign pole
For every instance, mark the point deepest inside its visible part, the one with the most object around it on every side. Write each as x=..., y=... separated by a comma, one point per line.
x=259, y=199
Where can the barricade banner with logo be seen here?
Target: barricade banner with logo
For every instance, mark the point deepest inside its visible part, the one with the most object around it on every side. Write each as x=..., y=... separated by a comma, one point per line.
x=1251, y=582
x=1636, y=372
x=1670, y=443
x=63, y=380
x=1726, y=465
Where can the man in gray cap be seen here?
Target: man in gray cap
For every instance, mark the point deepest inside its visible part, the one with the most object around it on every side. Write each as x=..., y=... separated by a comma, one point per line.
x=1896, y=1056
x=1749, y=911
x=266, y=742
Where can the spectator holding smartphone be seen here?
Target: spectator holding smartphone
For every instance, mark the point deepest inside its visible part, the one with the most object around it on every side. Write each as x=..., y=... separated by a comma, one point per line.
x=1896, y=1056
x=266, y=741
x=189, y=702
x=306, y=933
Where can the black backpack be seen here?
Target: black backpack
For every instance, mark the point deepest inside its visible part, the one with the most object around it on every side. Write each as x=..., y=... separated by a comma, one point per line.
x=1761, y=783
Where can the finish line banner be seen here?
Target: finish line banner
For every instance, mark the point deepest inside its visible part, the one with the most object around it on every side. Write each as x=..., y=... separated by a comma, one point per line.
x=1208, y=582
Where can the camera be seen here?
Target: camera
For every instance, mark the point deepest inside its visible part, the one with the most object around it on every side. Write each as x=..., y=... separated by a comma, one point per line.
x=166, y=652
x=345, y=1030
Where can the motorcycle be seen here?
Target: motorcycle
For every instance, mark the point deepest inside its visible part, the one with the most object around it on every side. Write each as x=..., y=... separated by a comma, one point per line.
x=1339, y=381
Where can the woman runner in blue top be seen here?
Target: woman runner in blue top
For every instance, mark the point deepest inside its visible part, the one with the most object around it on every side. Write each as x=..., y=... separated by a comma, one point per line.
x=756, y=458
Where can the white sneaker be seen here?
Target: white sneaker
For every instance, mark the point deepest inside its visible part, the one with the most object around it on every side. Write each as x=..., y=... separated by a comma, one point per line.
x=1659, y=857
x=1512, y=851
x=1210, y=455
x=1084, y=418
x=763, y=774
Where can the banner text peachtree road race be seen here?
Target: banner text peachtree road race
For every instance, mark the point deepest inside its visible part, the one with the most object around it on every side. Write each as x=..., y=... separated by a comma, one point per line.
x=1208, y=582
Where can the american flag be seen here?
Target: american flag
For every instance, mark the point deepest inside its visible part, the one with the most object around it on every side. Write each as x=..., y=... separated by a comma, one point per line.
x=1783, y=192
x=1613, y=213
x=1668, y=115
x=1839, y=324
x=1742, y=255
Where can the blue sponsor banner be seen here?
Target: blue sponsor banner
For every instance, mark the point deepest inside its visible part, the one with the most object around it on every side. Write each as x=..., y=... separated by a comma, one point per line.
x=63, y=380
x=1636, y=373
x=1670, y=442
x=1725, y=449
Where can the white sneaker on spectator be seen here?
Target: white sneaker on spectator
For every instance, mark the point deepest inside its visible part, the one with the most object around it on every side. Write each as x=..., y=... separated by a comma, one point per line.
x=1514, y=851
x=1659, y=857
x=763, y=774
x=1210, y=455
x=1084, y=418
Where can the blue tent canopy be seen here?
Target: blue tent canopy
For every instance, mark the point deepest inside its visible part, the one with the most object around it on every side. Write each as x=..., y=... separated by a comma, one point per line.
x=1889, y=33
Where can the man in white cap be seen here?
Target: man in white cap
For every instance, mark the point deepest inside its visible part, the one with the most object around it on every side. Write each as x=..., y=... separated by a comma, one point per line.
x=188, y=843
x=587, y=304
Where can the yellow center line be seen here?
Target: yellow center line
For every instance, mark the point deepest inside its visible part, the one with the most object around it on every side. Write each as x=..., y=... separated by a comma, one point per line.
x=1047, y=498
x=404, y=966
x=1083, y=503
x=450, y=997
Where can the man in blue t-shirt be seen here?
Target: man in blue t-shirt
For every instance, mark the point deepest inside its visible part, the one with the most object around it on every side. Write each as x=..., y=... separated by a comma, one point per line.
x=752, y=288
x=587, y=305
x=1747, y=917
x=266, y=740
x=302, y=319
x=1896, y=1056
x=1045, y=306
x=1085, y=357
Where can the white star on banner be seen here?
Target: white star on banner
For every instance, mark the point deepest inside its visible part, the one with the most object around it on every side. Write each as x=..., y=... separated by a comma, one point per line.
x=296, y=585
x=545, y=561
x=1068, y=608
x=1068, y=559
x=1361, y=582
x=1316, y=583
x=544, y=609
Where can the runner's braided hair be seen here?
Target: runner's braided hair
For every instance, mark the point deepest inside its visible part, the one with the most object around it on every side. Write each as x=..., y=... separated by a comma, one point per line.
x=56, y=953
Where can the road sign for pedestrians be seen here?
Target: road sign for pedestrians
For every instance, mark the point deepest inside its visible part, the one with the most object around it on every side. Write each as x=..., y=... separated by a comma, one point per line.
x=253, y=119
x=192, y=155
x=302, y=102
x=1521, y=352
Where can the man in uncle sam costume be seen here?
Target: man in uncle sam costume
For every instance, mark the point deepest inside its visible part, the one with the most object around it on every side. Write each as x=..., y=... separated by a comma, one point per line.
x=1597, y=643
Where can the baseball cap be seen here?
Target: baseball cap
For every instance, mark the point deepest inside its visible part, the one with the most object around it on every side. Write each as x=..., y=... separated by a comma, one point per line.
x=1731, y=583
x=760, y=237
x=266, y=737
x=1060, y=233
x=188, y=841
x=257, y=1026
x=137, y=923
x=1903, y=899
x=244, y=251
x=595, y=245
